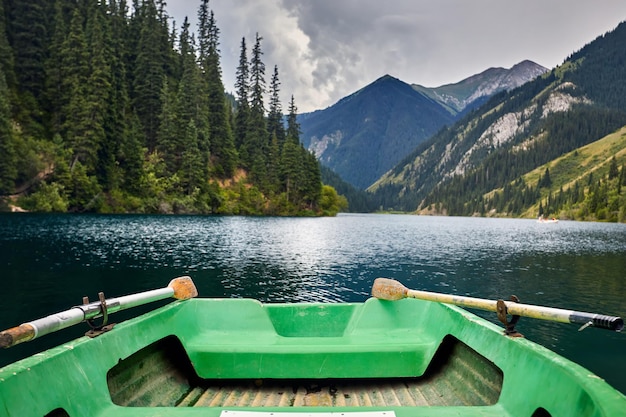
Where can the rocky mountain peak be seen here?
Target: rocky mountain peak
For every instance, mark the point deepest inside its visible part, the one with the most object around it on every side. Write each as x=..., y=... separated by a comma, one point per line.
x=468, y=92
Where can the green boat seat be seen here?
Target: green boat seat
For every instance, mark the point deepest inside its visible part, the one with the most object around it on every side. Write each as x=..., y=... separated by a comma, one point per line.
x=269, y=341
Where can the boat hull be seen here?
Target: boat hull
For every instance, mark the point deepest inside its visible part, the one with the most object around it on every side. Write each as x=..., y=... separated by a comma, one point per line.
x=205, y=356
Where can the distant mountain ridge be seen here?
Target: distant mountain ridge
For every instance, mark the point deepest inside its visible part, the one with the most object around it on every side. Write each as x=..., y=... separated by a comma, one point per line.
x=365, y=134
x=465, y=93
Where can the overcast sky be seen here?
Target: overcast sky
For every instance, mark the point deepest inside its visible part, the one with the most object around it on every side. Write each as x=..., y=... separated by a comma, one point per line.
x=328, y=49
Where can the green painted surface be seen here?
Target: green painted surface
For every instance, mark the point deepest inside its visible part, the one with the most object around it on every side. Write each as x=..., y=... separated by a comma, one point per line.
x=234, y=338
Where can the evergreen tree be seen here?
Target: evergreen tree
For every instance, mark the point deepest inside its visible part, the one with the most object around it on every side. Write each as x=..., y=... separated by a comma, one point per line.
x=242, y=116
x=99, y=94
x=276, y=131
x=546, y=181
x=291, y=163
x=203, y=29
x=121, y=122
x=257, y=79
x=191, y=172
x=274, y=165
x=613, y=170
x=275, y=115
x=56, y=97
x=135, y=24
x=180, y=107
x=168, y=133
x=8, y=170
x=221, y=138
x=191, y=106
x=293, y=127
x=300, y=170
x=312, y=186
x=131, y=157
x=257, y=141
x=149, y=72
x=6, y=53
x=75, y=60
x=27, y=34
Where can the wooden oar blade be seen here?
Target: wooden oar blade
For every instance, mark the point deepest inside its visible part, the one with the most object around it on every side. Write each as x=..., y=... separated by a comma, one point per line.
x=184, y=288
x=388, y=289
x=15, y=335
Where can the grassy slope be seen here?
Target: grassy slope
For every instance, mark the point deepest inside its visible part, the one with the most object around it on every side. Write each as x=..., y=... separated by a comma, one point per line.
x=578, y=164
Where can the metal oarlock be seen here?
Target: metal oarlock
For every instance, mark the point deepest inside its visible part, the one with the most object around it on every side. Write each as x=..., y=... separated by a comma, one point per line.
x=509, y=325
x=97, y=330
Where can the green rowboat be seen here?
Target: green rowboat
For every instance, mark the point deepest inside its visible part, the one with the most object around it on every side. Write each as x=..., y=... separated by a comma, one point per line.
x=241, y=358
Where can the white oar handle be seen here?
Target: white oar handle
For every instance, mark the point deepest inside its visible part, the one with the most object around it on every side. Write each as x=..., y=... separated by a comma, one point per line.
x=181, y=288
x=390, y=289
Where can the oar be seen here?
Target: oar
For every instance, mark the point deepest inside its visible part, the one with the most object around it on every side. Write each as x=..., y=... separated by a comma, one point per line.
x=181, y=288
x=389, y=289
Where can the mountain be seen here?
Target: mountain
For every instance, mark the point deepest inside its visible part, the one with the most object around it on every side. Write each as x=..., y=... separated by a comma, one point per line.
x=478, y=163
x=365, y=134
x=474, y=90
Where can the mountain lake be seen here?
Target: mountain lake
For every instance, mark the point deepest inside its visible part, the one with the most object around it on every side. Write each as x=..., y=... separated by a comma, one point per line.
x=49, y=262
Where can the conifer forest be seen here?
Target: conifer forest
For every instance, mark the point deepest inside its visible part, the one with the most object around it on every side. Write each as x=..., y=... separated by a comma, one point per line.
x=107, y=107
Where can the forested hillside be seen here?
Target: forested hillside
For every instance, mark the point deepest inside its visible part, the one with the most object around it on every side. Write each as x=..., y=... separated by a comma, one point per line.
x=480, y=166
x=105, y=107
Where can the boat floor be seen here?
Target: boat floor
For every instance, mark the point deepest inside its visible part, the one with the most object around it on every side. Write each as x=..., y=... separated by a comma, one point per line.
x=332, y=393
x=160, y=375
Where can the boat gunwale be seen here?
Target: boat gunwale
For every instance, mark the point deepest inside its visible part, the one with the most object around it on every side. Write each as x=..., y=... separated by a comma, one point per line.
x=602, y=395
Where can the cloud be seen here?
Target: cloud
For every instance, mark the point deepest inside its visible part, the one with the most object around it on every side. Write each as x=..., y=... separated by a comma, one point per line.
x=327, y=49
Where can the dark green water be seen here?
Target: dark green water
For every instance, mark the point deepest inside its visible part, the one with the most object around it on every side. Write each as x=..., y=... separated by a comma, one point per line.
x=49, y=262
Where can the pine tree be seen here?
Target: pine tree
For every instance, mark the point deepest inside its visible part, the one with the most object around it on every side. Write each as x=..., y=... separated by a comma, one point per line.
x=222, y=148
x=203, y=30
x=121, y=122
x=613, y=170
x=8, y=170
x=545, y=181
x=181, y=106
x=300, y=170
x=275, y=125
x=293, y=127
x=191, y=105
x=242, y=116
x=149, y=72
x=257, y=140
x=135, y=24
x=312, y=186
x=27, y=34
x=191, y=172
x=7, y=62
x=75, y=61
x=131, y=157
x=168, y=132
x=56, y=97
x=257, y=79
x=290, y=170
x=99, y=94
